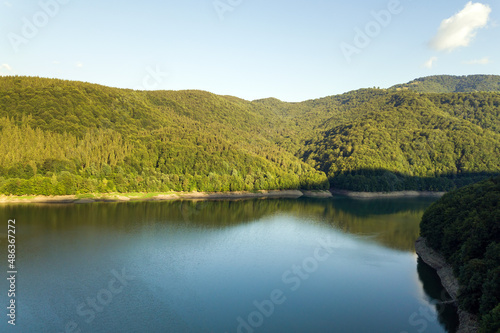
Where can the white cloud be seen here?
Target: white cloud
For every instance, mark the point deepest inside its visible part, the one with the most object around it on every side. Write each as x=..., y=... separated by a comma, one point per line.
x=5, y=68
x=482, y=61
x=460, y=29
x=430, y=63
x=8, y=4
x=79, y=65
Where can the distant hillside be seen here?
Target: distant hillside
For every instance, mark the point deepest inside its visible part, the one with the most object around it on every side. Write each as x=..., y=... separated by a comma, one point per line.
x=379, y=140
x=64, y=137
x=449, y=84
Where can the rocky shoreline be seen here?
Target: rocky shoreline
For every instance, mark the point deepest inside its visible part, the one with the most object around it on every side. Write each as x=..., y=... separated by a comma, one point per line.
x=468, y=322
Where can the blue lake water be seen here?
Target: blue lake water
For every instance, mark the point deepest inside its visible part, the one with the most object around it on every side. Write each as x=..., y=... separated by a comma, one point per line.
x=274, y=265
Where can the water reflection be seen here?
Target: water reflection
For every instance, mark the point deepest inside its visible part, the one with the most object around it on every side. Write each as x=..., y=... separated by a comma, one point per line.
x=392, y=223
x=436, y=294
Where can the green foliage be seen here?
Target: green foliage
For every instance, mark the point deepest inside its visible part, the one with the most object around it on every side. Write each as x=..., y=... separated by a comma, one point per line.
x=66, y=137
x=450, y=83
x=464, y=225
x=388, y=141
x=491, y=321
x=480, y=108
x=365, y=140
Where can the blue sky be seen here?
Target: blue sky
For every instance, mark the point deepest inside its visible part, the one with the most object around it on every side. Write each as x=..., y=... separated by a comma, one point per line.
x=291, y=50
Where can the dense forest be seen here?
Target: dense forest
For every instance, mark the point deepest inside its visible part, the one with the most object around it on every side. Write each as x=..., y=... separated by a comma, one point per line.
x=65, y=137
x=450, y=83
x=389, y=141
x=62, y=137
x=464, y=226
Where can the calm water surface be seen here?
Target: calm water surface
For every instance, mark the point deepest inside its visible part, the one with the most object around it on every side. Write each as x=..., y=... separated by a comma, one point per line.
x=280, y=265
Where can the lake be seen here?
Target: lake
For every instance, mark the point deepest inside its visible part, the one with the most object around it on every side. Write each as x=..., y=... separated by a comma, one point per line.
x=260, y=265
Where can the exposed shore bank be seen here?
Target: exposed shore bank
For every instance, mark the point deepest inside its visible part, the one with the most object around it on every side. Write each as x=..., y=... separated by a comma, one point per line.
x=468, y=322
x=317, y=194
x=396, y=194
x=121, y=197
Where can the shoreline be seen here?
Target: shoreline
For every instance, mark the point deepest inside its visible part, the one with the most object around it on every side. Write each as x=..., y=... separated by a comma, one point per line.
x=467, y=322
x=395, y=194
x=125, y=197
x=157, y=196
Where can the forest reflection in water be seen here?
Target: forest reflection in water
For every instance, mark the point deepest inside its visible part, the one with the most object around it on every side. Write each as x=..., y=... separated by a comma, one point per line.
x=392, y=223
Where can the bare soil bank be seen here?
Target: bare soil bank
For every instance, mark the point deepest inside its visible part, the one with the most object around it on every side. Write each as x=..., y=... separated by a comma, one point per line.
x=317, y=194
x=117, y=197
x=468, y=322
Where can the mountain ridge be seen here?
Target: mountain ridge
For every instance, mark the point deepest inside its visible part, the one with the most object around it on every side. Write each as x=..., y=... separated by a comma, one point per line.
x=125, y=140
x=452, y=83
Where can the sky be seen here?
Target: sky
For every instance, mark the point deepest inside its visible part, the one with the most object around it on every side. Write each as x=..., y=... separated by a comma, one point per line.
x=252, y=49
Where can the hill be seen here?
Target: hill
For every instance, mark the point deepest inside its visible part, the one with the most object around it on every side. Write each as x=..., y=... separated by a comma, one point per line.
x=450, y=83
x=65, y=137
x=62, y=137
x=393, y=140
x=464, y=226
x=388, y=140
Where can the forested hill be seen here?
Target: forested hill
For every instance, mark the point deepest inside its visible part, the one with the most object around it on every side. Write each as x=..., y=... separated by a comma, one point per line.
x=464, y=225
x=450, y=83
x=62, y=137
x=387, y=141
x=71, y=137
